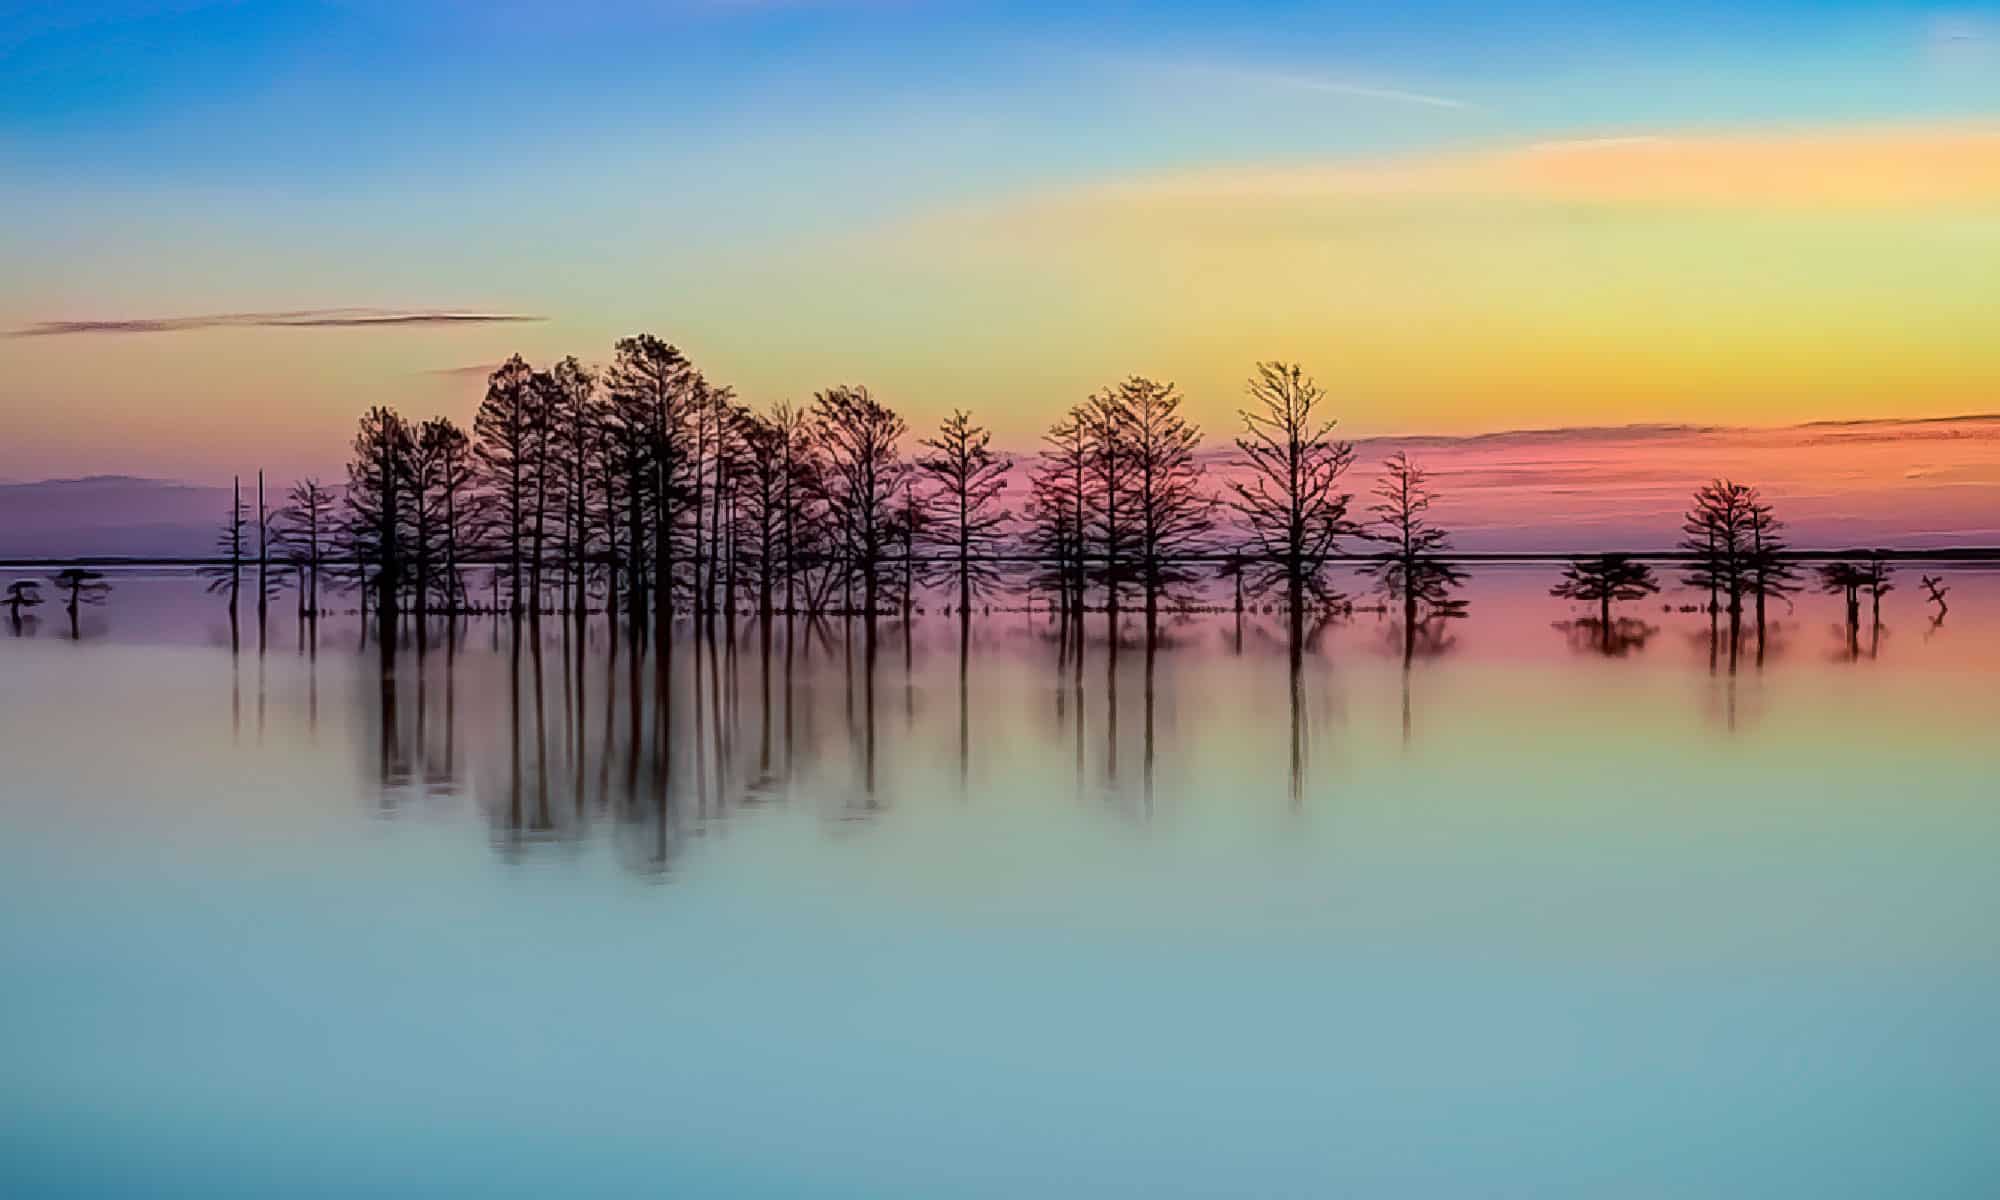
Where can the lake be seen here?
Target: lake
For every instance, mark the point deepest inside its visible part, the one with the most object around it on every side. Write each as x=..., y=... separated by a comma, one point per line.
x=1516, y=917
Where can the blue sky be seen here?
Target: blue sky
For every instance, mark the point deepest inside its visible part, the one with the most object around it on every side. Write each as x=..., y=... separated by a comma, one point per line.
x=388, y=124
x=726, y=171
x=222, y=92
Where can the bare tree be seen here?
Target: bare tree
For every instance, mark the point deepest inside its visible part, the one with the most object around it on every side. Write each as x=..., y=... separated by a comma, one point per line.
x=653, y=388
x=1877, y=571
x=969, y=478
x=1172, y=512
x=547, y=479
x=265, y=580
x=763, y=509
x=376, y=533
x=860, y=438
x=626, y=467
x=791, y=431
x=440, y=462
x=1056, y=511
x=305, y=527
x=458, y=492
x=912, y=524
x=719, y=429
x=508, y=433
x=1414, y=570
x=1768, y=574
x=577, y=409
x=1935, y=589
x=227, y=576
x=1109, y=527
x=1288, y=489
x=1719, y=534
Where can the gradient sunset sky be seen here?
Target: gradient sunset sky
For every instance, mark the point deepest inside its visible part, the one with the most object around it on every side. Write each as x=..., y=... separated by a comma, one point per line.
x=233, y=226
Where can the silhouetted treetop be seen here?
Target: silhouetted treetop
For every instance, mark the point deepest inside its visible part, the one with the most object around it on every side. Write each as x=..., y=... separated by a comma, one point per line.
x=1172, y=510
x=1287, y=489
x=1413, y=569
x=968, y=518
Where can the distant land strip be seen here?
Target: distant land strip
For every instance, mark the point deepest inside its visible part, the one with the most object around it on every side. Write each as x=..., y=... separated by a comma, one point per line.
x=1959, y=554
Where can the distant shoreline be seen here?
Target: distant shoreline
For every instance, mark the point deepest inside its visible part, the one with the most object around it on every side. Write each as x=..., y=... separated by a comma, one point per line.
x=1949, y=554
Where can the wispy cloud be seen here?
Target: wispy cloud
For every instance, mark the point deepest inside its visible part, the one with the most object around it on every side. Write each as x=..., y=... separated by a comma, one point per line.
x=1262, y=78
x=1883, y=168
x=468, y=371
x=1286, y=81
x=306, y=318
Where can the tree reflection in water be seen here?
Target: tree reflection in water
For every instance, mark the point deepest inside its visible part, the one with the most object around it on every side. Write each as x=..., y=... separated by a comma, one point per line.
x=658, y=741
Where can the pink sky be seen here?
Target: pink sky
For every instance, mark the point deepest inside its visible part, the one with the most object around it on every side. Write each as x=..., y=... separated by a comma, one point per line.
x=1907, y=484
x=1897, y=483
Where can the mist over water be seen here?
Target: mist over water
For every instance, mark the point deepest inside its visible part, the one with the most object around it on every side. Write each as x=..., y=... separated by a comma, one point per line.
x=923, y=911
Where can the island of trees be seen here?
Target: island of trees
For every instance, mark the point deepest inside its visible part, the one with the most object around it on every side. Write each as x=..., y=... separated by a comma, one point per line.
x=644, y=491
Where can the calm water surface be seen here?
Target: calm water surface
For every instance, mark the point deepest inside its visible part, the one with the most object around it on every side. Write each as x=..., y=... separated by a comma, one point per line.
x=1524, y=919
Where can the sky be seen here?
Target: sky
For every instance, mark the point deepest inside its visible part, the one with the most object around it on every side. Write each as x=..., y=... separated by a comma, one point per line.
x=1908, y=485
x=231, y=227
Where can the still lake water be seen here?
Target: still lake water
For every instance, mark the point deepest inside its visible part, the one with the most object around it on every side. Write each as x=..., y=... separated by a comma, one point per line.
x=1525, y=920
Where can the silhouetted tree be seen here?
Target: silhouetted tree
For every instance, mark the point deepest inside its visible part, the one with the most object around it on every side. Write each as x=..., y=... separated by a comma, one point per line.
x=577, y=410
x=458, y=495
x=1287, y=488
x=763, y=505
x=305, y=526
x=1936, y=590
x=509, y=443
x=815, y=536
x=1877, y=571
x=1603, y=579
x=79, y=586
x=1057, y=502
x=1109, y=527
x=790, y=429
x=718, y=426
x=913, y=521
x=1718, y=533
x=740, y=572
x=1414, y=571
x=865, y=471
x=1845, y=579
x=1769, y=574
x=1172, y=513
x=21, y=593
x=227, y=577
x=376, y=535
x=265, y=580
x=969, y=478
x=625, y=468
x=440, y=472
x=654, y=392
x=548, y=481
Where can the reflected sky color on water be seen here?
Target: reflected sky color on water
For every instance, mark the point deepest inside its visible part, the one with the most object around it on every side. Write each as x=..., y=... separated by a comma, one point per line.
x=1524, y=919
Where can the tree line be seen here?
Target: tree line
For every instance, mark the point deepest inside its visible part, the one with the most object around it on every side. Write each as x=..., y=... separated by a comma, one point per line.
x=643, y=490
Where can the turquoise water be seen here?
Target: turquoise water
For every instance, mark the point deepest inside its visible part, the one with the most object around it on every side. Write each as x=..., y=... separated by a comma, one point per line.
x=1527, y=919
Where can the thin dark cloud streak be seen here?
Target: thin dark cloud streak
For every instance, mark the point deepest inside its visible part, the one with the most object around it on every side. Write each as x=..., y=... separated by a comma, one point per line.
x=307, y=318
x=470, y=370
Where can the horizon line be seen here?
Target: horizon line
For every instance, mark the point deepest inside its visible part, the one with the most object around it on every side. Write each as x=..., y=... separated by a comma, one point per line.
x=1224, y=444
